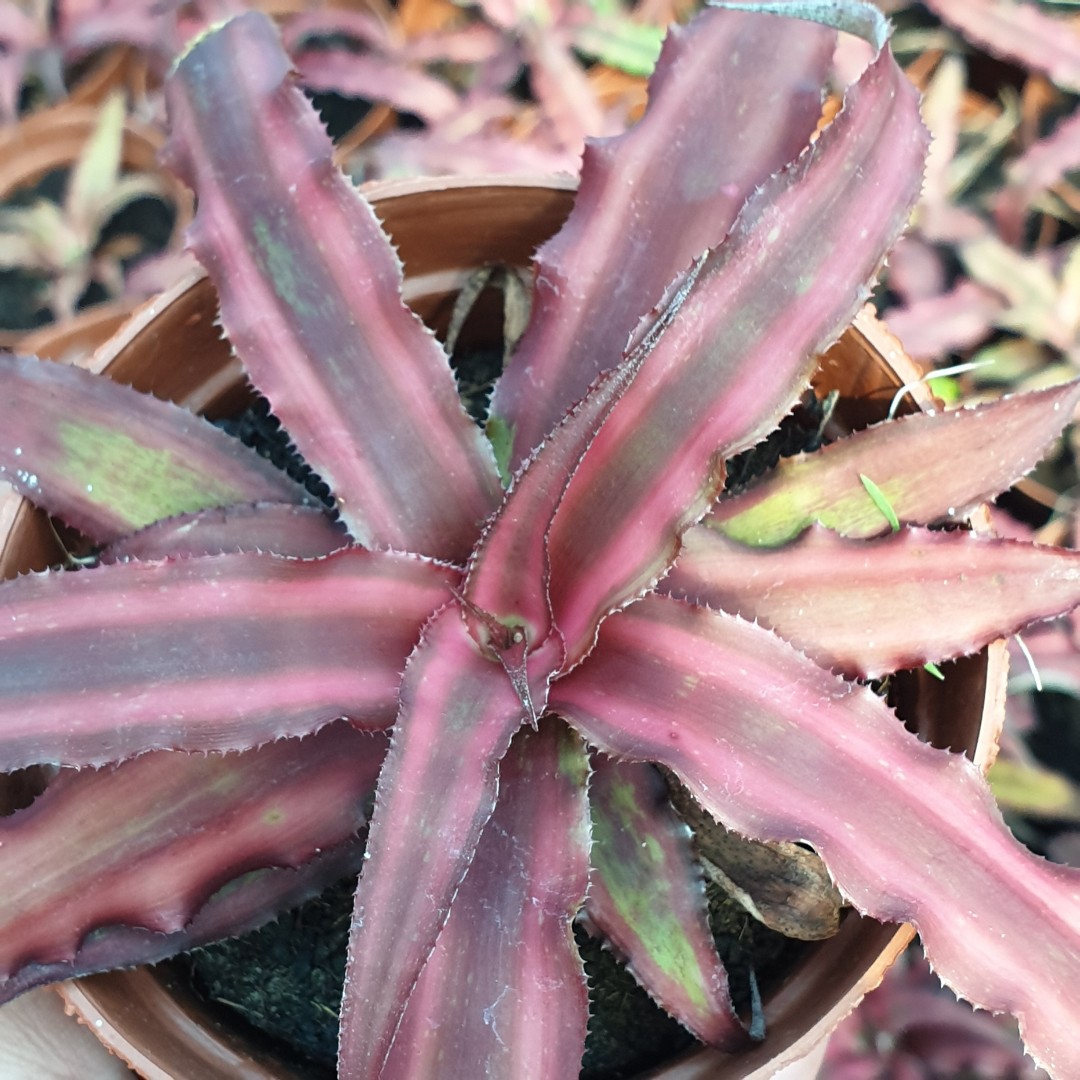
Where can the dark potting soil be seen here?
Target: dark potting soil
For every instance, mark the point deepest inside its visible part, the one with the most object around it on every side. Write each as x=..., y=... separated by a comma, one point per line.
x=258, y=428
x=285, y=981
x=801, y=431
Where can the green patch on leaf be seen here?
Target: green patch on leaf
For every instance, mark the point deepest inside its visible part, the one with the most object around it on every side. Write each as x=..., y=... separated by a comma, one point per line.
x=501, y=436
x=573, y=760
x=278, y=260
x=137, y=482
x=640, y=888
x=880, y=500
x=773, y=521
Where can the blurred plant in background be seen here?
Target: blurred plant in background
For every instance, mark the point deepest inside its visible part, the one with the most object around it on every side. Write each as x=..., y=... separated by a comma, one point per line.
x=423, y=87
x=911, y=1028
x=65, y=241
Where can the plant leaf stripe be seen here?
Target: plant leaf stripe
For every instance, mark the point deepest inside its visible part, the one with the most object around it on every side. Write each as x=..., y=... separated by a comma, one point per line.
x=362, y=387
x=183, y=815
x=770, y=298
x=438, y=787
x=681, y=190
x=256, y=647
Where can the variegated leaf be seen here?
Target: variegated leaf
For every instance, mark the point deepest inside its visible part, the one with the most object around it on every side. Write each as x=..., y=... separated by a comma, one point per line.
x=109, y=460
x=435, y=795
x=521, y=1012
x=250, y=648
x=712, y=132
x=776, y=748
x=506, y=584
x=860, y=622
x=310, y=297
x=174, y=850
x=928, y=466
x=737, y=352
x=647, y=897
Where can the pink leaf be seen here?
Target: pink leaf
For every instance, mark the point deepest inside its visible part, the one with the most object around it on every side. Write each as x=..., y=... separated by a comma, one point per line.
x=86, y=25
x=737, y=352
x=1017, y=31
x=360, y=26
x=508, y=574
x=378, y=78
x=958, y=319
x=860, y=622
x=436, y=793
x=776, y=748
x=109, y=460
x=301, y=531
x=707, y=139
x=910, y=1022
x=110, y=867
x=1047, y=161
x=916, y=270
x=310, y=297
x=558, y=81
x=929, y=467
x=647, y=898
x=522, y=1010
x=249, y=648
x=21, y=35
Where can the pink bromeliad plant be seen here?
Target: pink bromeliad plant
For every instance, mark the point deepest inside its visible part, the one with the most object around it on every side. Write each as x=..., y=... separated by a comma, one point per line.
x=513, y=659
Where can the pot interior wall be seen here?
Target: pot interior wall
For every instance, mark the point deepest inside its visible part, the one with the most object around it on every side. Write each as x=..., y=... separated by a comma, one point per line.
x=173, y=348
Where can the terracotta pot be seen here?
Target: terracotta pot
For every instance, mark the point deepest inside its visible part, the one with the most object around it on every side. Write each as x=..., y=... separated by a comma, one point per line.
x=119, y=67
x=74, y=340
x=444, y=229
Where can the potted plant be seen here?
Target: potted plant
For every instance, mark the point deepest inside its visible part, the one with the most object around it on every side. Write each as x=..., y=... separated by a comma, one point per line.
x=53, y=250
x=174, y=348
x=554, y=610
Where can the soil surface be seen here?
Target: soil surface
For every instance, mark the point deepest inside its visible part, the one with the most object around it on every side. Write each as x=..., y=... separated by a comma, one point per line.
x=285, y=980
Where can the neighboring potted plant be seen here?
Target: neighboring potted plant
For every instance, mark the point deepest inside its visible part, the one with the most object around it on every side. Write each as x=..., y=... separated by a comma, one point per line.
x=553, y=607
x=58, y=246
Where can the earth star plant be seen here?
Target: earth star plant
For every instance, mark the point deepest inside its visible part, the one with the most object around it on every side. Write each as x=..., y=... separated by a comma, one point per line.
x=556, y=638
